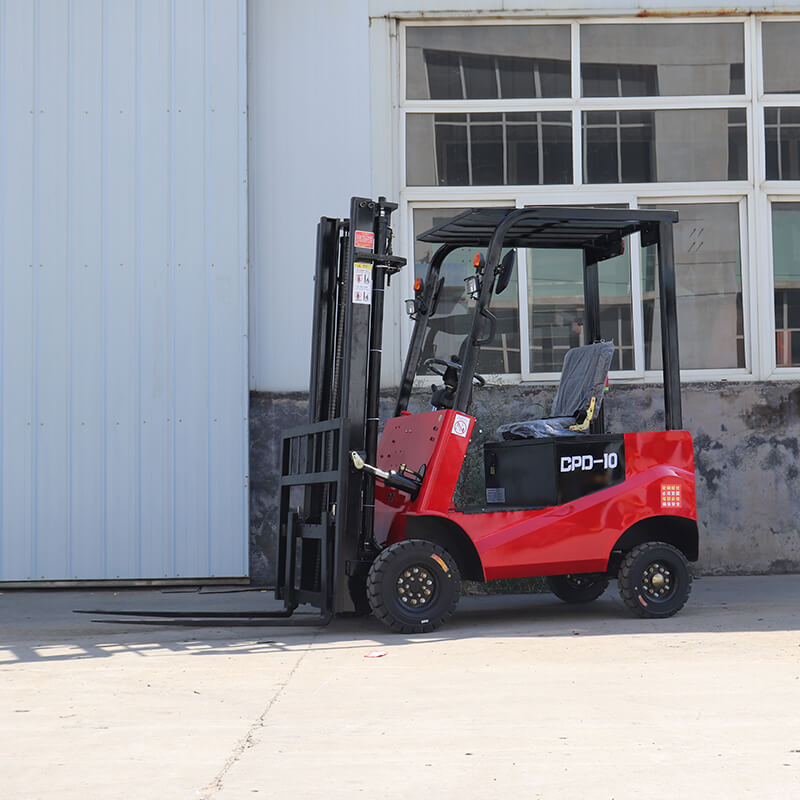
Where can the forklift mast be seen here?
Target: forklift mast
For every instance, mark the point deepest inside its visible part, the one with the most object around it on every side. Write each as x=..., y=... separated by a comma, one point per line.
x=327, y=508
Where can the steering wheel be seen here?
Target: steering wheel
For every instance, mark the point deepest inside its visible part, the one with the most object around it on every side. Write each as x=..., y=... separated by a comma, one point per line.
x=442, y=364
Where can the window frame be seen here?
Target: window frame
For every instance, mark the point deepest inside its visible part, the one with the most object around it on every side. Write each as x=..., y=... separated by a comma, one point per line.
x=752, y=211
x=771, y=191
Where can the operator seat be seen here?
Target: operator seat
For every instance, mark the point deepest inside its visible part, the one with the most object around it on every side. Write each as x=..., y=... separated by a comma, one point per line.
x=579, y=396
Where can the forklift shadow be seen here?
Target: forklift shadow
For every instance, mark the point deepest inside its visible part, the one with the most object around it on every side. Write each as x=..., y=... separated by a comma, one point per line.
x=717, y=606
x=40, y=627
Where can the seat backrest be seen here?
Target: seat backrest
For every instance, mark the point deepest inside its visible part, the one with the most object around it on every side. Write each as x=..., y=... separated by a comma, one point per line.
x=583, y=377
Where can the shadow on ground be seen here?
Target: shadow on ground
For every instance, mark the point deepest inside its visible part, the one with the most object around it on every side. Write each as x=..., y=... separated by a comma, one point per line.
x=40, y=626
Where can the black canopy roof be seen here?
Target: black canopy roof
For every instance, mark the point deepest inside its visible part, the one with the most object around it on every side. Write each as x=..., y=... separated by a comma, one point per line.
x=589, y=229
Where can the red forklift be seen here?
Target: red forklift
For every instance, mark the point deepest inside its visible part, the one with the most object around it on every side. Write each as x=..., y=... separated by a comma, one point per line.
x=367, y=520
x=564, y=498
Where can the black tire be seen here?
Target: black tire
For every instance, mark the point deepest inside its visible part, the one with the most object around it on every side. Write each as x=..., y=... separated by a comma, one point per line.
x=577, y=588
x=413, y=586
x=654, y=580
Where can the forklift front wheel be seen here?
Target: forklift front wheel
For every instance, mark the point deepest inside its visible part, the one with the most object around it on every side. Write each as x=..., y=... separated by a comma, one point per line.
x=413, y=586
x=654, y=580
x=577, y=588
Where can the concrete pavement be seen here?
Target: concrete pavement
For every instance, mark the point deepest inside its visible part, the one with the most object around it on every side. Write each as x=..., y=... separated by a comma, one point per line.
x=517, y=695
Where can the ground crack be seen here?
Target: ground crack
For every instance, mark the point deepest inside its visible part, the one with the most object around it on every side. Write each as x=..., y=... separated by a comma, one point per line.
x=247, y=741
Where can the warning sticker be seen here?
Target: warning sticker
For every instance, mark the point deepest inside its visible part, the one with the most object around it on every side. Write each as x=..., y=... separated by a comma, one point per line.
x=365, y=239
x=440, y=561
x=362, y=283
x=461, y=426
x=496, y=494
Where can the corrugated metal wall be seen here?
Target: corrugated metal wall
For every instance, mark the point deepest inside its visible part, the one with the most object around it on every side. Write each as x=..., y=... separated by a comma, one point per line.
x=123, y=289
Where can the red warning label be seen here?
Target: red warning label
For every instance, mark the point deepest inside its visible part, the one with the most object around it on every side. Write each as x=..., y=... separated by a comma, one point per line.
x=365, y=239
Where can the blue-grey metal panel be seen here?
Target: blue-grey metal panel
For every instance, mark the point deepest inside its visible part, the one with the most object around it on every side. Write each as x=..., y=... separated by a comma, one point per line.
x=306, y=165
x=123, y=289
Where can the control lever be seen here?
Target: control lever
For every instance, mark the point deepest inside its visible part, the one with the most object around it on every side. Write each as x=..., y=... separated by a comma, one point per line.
x=393, y=478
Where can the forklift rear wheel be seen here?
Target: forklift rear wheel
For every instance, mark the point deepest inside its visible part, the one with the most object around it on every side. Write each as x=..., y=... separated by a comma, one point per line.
x=654, y=580
x=413, y=586
x=577, y=588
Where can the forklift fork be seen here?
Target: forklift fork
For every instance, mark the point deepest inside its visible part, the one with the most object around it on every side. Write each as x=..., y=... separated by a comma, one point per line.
x=327, y=507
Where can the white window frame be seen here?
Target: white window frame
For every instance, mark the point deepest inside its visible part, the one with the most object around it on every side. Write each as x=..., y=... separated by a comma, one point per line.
x=771, y=191
x=754, y=195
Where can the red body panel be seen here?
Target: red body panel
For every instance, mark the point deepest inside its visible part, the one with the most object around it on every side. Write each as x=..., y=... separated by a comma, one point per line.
x=575, y=537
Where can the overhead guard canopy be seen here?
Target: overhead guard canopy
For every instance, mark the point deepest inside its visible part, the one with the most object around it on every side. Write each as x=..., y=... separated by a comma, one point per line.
x=597, y=231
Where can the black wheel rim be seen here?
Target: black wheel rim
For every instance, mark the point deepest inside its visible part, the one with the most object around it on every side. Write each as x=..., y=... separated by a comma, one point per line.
x=579, y=581
x=659, y=581
x=416, y=588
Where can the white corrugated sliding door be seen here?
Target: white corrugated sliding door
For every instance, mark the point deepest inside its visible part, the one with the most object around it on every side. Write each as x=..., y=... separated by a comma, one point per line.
x=123, y=289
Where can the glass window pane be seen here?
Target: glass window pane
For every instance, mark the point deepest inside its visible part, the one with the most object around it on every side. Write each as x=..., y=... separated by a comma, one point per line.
x=480, y=78
x=444, y=75
x=781, y=56
x=464, y=150
x=782, y=140
x=556, y=308
x=450, y=326
x=556, y=150
x=487, y=154
x=709, y=286
x=601, y=161
x=641, y=60
x=786, y=271
x=669, y=146
x=446, y=62
x=523, y=154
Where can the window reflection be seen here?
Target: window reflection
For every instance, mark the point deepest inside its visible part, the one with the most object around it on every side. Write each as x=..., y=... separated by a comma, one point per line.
x=786, y=270
x=489, y=149
x=487, y=62
x=782, y=139
x=670, y=145
x=556, y=307
x=709, y=289
x=449, y=327
x=781, y=56
x=641, y=60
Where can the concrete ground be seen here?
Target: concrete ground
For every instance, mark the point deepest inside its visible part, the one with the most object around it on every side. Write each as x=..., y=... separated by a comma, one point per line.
x=518, y=696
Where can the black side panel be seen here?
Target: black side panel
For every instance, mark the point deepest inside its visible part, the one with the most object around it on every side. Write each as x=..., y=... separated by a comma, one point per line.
x=520, y=476
x=538, y=473
x=588, y=465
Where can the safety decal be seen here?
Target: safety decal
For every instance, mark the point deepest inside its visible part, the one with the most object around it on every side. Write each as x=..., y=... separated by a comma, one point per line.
x=495, y=494
x=461, y=426
x=365, y=239
x=440, y=561
x=362, y=283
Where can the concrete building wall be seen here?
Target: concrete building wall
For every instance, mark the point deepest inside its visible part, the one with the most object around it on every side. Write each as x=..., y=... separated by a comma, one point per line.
x=746, y=430
x=123, y=290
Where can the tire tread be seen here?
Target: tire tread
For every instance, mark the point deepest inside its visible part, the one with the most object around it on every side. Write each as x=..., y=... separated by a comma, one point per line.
x=627, y=582
x=377, y=576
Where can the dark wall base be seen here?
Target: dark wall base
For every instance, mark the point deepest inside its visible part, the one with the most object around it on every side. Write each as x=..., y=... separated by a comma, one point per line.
x=747, y=458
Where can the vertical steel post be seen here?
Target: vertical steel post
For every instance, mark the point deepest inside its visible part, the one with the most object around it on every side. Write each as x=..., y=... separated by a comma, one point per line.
x=591, y=300
x=591, y=304
x=382, y=248
x=669, y=328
